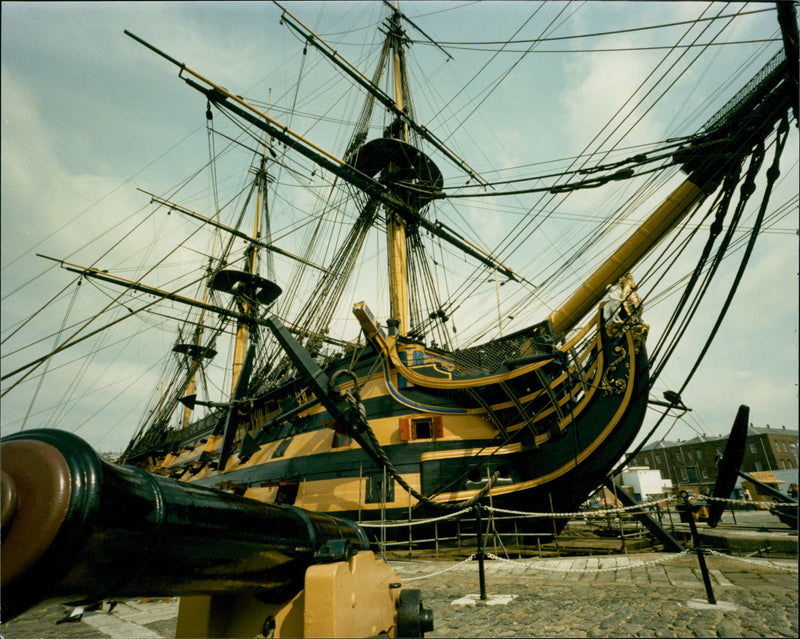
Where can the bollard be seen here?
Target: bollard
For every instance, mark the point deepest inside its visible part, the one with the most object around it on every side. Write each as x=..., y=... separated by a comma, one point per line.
x=481, y=574
x=687, y=507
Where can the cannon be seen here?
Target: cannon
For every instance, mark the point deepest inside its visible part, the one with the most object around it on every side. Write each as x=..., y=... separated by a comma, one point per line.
x=76, y=528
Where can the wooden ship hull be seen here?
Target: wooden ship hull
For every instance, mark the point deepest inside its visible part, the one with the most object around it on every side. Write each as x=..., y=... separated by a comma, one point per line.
x=550, y=424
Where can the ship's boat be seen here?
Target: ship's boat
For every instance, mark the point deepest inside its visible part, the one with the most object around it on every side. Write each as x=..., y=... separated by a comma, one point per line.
x=391, y=414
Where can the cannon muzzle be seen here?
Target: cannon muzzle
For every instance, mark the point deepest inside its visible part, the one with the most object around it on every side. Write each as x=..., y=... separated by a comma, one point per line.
x=78, y=528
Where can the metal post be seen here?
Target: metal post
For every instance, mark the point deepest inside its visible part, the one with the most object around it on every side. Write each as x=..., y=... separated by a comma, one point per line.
x=553, y=519
x=698, y=547
x=481, y=574
x=619, y=519
x=383, y=516
x=410, y=533
x=733, y=514
x=360, y=487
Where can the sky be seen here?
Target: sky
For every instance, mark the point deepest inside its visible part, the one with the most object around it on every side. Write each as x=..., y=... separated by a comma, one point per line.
x=89, y=116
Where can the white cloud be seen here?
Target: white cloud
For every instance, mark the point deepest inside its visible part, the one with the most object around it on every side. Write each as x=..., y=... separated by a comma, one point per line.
x=84, y=108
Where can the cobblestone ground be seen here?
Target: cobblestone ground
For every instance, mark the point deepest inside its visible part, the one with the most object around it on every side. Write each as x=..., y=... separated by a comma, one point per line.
x=567, y=600
x=652, y=601
x=135, y=619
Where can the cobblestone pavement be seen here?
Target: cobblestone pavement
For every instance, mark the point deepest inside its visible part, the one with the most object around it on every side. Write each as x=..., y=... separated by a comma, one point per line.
x=660, y=600
x=571, y=597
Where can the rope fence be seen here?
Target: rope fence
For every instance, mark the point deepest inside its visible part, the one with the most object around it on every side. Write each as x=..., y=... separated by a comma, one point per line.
x=539, y=564
x=413, y=522
x=645, y=505
x=762, y=563
x=631, y=564
x=441, y=572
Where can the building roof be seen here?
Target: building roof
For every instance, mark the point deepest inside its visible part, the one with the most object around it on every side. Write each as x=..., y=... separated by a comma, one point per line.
x=751, y=431
x=760, y=430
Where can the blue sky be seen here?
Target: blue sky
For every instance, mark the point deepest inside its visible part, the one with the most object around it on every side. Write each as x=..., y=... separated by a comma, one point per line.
x=88, y=116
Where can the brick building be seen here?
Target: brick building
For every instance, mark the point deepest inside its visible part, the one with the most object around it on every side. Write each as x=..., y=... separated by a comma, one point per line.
x=690, y=464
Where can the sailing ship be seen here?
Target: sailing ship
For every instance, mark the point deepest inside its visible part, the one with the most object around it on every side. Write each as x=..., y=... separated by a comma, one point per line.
x=391, y=414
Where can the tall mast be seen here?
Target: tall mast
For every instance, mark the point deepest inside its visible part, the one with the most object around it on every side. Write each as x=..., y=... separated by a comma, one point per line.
x=195, y=365
x=251, y=266
x=395, y=225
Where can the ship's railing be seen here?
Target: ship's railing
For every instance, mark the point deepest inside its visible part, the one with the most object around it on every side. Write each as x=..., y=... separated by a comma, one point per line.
x=723, y=116
x=455, y=532
x=172, y=438
x=487, y=358
x=503, y=530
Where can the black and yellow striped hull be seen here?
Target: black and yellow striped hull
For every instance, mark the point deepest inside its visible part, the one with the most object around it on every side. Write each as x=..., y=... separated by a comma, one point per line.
x=551, y=427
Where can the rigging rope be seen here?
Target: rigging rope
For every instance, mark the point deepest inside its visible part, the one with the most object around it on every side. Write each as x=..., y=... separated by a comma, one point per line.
x=746, y=190
x=772, y=175
x=521, y=232
x=47, y=364
x=455, y=44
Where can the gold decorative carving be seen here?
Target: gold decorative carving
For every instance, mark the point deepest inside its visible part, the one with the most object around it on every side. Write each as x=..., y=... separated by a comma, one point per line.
x=615, y=377
x=628, y=317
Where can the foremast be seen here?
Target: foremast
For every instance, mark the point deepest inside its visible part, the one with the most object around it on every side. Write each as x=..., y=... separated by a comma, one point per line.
x=247, y=306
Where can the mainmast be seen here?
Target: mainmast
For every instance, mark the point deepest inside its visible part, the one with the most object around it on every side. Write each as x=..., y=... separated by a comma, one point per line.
x=395, y=225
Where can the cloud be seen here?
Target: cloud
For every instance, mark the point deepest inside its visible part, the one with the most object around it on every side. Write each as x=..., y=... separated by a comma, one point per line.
x=84, y=108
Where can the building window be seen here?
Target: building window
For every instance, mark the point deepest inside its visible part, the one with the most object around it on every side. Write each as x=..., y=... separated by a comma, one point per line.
x=684, y=474
x=658, y=458
x=689, y=455
x=753, y=447
x=704, y=472
x=699, y=454
x=679, y=456
x=759, y=467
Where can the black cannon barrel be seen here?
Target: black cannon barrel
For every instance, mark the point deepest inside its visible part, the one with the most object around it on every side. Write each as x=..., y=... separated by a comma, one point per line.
x=78, y=528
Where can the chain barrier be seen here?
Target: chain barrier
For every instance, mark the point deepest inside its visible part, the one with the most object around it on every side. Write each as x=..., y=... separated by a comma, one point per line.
x=643, y=505
x=441, y=572
x=413, y=522
x=746, y=502
x=762, y=563
x=533, y=562
x=579, y=513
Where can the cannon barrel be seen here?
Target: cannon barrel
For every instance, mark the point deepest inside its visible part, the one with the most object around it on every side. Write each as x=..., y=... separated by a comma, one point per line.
x=78, y=528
